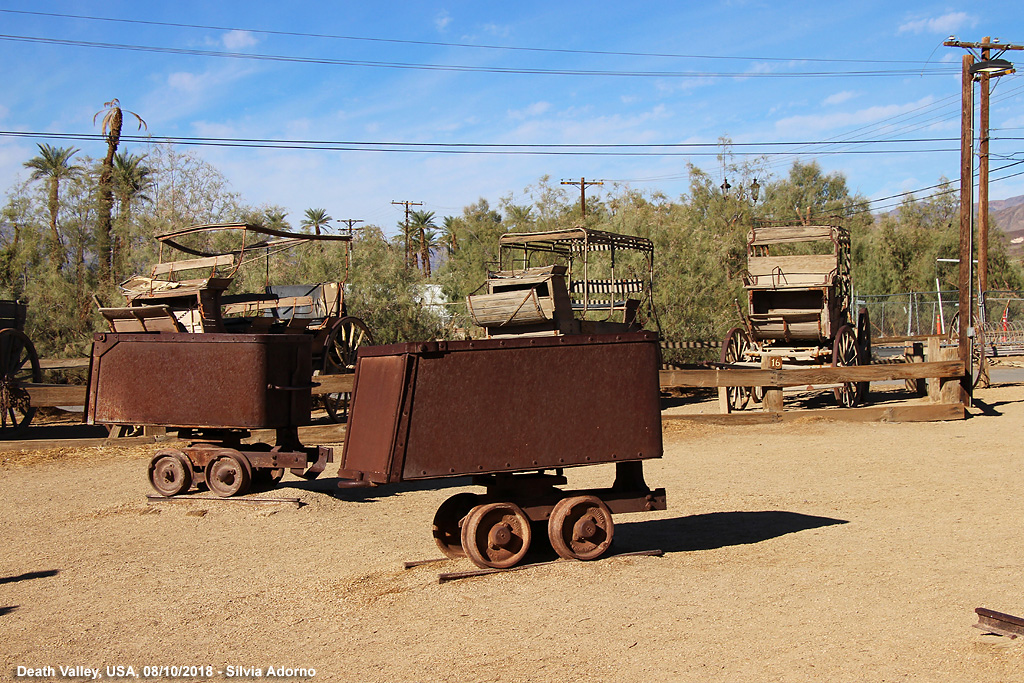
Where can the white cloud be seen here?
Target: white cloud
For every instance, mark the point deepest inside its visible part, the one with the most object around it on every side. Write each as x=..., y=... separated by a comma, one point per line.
x=813, y=122
x=947, y=24
x=237, y=40
x=442, y=21
x=532, y=110
x=840, y=97
x=186, y=82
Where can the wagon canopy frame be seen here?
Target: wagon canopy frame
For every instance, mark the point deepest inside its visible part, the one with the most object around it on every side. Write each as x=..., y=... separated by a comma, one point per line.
x=575, y=246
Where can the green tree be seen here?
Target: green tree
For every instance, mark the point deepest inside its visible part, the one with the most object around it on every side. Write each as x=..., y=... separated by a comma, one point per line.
x=133, y=179
x=113, y=119
x=53, y=164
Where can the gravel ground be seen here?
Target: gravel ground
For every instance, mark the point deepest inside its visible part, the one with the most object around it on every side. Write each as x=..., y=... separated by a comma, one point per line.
x=806, y=551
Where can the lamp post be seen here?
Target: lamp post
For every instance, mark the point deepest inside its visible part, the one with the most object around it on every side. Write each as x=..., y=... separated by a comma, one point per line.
x=985, y=68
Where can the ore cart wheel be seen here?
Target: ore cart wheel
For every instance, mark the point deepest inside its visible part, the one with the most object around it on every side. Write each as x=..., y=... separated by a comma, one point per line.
x=496, y=535
x=580, y=528
x=170, y=472
x=448, y=523
x=734, y=349
x=864, y=351
x=19, y=365
x=845, y=354
x=228, y=475
x=343, y=341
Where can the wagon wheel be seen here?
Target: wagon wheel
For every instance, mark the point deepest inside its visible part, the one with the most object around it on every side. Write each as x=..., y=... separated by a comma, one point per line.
x=737, y=343
x=864, y=351
x=448, y=523
x=228, y=475
x=979, y=361
x=580, y=528
x=343, y=341
x=496, y=535
x=170, y=472
x=19, y=365
x=846, y=354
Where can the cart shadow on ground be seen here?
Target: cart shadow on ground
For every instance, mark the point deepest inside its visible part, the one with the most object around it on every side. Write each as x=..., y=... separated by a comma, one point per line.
x=371, y=494
x=27, y=576
x=714, y=530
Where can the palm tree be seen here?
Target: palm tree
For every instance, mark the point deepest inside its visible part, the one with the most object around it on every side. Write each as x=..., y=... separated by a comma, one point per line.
x=132, y=179
x=113, y=118
x=316, y=219
x=448, y=234
x=54, y=164
x=421, y=221
x=275, y=218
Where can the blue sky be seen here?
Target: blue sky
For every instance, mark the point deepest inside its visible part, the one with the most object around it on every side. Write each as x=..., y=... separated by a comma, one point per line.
x=696, y=72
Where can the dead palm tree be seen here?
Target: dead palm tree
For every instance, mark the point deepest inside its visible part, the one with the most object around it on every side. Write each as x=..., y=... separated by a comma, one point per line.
x=54, y=164
x=113, y=119
x=316, y=219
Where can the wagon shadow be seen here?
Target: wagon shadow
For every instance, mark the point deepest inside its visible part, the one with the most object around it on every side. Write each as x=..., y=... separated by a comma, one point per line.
x=7, y=610
x=715, y=530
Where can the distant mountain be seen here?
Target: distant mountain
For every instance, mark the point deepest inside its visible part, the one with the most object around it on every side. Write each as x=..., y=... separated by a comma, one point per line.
x=1008, y=216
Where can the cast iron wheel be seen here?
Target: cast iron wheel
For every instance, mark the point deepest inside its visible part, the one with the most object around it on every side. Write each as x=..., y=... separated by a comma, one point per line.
x=580, y=528
x=228, y=475
x=864, y=351
x=343, y=341
x=734, y=349
x=448, y=523
x=845, y=354
x=19, y=365
x=496, y=535
x=170, y=472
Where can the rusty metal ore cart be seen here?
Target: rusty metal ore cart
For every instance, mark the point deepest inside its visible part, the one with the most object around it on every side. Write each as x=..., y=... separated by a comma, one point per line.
x=214, y=388
x=575, y=281
x=19, y=365
x=512, y=413
x=190, y=295
x=799, y=291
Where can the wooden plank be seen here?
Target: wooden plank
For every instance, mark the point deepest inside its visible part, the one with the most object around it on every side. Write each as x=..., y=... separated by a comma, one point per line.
x=334, y=384
x=62, y=363
x=192, y=264
x=46, y=395
x=744, y=377
x=779, y=234
x=900, y=341
x=922, y=412
x=773, y=400
x=933, y=353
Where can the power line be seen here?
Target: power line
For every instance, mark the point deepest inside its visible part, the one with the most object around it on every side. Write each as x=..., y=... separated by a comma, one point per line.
x=464, y=68
x=297, y=34
x=583, y=149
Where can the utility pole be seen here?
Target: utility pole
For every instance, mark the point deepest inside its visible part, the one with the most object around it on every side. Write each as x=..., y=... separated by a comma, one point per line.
x=987, y=67
x=583, y=183
x=405, y=229
x=350, y=222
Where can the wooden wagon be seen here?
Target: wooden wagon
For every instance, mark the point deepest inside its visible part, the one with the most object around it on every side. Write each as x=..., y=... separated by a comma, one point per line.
x=19, y=366
x=798, y=289
x=190, y=295
x=576, y=281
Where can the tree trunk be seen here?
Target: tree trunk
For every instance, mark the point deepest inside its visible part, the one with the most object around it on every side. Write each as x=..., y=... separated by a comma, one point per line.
x=424, y=252
x=56, y=248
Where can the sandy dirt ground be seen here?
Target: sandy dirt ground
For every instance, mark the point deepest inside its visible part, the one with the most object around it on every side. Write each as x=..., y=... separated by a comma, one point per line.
x=805, y=551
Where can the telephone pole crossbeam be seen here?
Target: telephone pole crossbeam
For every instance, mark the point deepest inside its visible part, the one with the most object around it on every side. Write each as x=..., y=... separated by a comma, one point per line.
x=583, y=184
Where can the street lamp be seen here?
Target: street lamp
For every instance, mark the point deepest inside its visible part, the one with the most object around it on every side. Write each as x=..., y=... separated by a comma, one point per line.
x=992, y=68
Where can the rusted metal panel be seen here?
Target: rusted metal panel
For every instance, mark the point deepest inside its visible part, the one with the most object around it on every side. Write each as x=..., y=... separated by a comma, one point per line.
x=200, y=380
x=505, y=405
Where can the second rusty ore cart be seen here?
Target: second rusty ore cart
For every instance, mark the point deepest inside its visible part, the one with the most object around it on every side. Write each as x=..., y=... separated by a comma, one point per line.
x=513, y=414
x=214, y=388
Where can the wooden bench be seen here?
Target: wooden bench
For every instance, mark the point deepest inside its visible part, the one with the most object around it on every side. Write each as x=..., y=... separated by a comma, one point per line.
x=778, y=272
